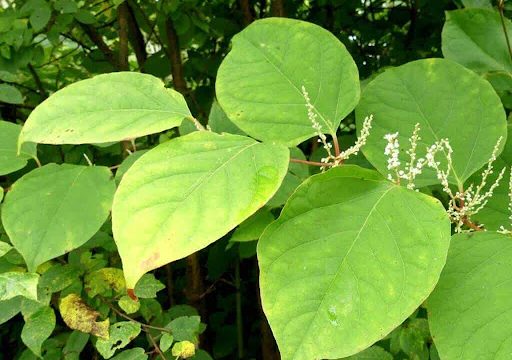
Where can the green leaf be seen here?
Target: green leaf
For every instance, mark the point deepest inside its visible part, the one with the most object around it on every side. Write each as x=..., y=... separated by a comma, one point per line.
x=475, y=39
x=259, y=83
x=78, y=316
x=127, y=163
x=185, y=328
x=40, y=16
x=14, y=284
x=132, y=354
x=75, y=344
x=108, y=107
x=38, y=327
x=443, y=97
x=166, y=341
x=252, y=228
x=148, y=286
x=495, y=213
x=361, y=254
x=85, y=17
x=296, y=174
x=184, y=349
x=121, y=334
x=4, y=247
x=73, y=202
x=104, y=281
x=219, y=121
x=9, y=94
x=10, y=161
x=59, y=277
x=477, y=4
x=372, y=353
x=9, y=308
x=188, y=192
x=65, y=6
x=469, y=311
x=128, y=305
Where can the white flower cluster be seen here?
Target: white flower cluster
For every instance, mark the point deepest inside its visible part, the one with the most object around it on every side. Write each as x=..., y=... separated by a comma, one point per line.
x=464, y=203
x=337, y=159
x=502, y=228
x=360, y=142
x=413, y=168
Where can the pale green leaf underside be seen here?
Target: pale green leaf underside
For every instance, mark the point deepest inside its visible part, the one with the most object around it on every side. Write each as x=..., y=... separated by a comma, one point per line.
x=475, y=39
x=38, y=327
x=14, y=284
x=188, y=192
x=470, y=310
x=10, y=161
x=108, y=107
x=360, y=253
x=447, y=100
x=259, y=82
x=55, y=209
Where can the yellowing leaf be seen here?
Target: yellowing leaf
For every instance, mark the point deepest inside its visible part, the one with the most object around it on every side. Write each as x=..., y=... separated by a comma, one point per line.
x=78, y=316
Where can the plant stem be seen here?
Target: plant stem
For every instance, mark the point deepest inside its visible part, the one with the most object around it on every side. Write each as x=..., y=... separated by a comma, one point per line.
x=157, y=348
x=307, y=162
x=336, y=145
x=239, y=322
x=501, y=6
x=112, y=307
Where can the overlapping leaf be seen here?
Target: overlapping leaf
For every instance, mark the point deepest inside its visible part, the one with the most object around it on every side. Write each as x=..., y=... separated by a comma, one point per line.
x=108, y=107
x=259, y=83
x=469, y=311
x=186, y=193
x=360, y=253
x=10, y=160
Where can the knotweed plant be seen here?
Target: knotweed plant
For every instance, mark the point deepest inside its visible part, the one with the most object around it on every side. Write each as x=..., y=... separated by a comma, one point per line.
x=339, y=157
x=502, y=229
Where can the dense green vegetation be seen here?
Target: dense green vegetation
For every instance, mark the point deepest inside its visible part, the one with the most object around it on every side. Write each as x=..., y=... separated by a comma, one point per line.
x=255, y=179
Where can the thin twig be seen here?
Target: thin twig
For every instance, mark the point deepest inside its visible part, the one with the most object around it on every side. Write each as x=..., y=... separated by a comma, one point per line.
x=501, y=6
x=336, y=145
x=157, y=348
x=112, y=307
x=307, y=162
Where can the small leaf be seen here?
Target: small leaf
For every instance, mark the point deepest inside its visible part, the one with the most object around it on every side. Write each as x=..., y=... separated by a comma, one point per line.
x=132, y=354
x=128, y=305
x=74, y=203
x=38, y=327
x=186, y=193
x=14, y=284
x=148, y=286
x=469, y=311
x=362, y=253
x=166, y=341
x=4, y=247
x=105, y=108
x=104, y=281
x=75, y=344
x=259, y=83
x=9, y=94
x=40, y=16
x=59, y=277
x=220, y=123
x=186, y=328
x=9, y=308
x=85, y=17
x=10, y=161
x=252, y=228
x=121, y=334
x=184, y=349
x=78, y=316
x=372, y=353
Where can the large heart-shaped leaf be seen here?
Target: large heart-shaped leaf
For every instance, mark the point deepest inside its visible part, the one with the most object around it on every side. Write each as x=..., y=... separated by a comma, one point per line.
x=188, y=192
x=259, y=83
x=10, y=160
x=108, y=107
x=470, y=311
x=448, y=101
x=348, y=260
x=475, y=39
x=55, y=209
